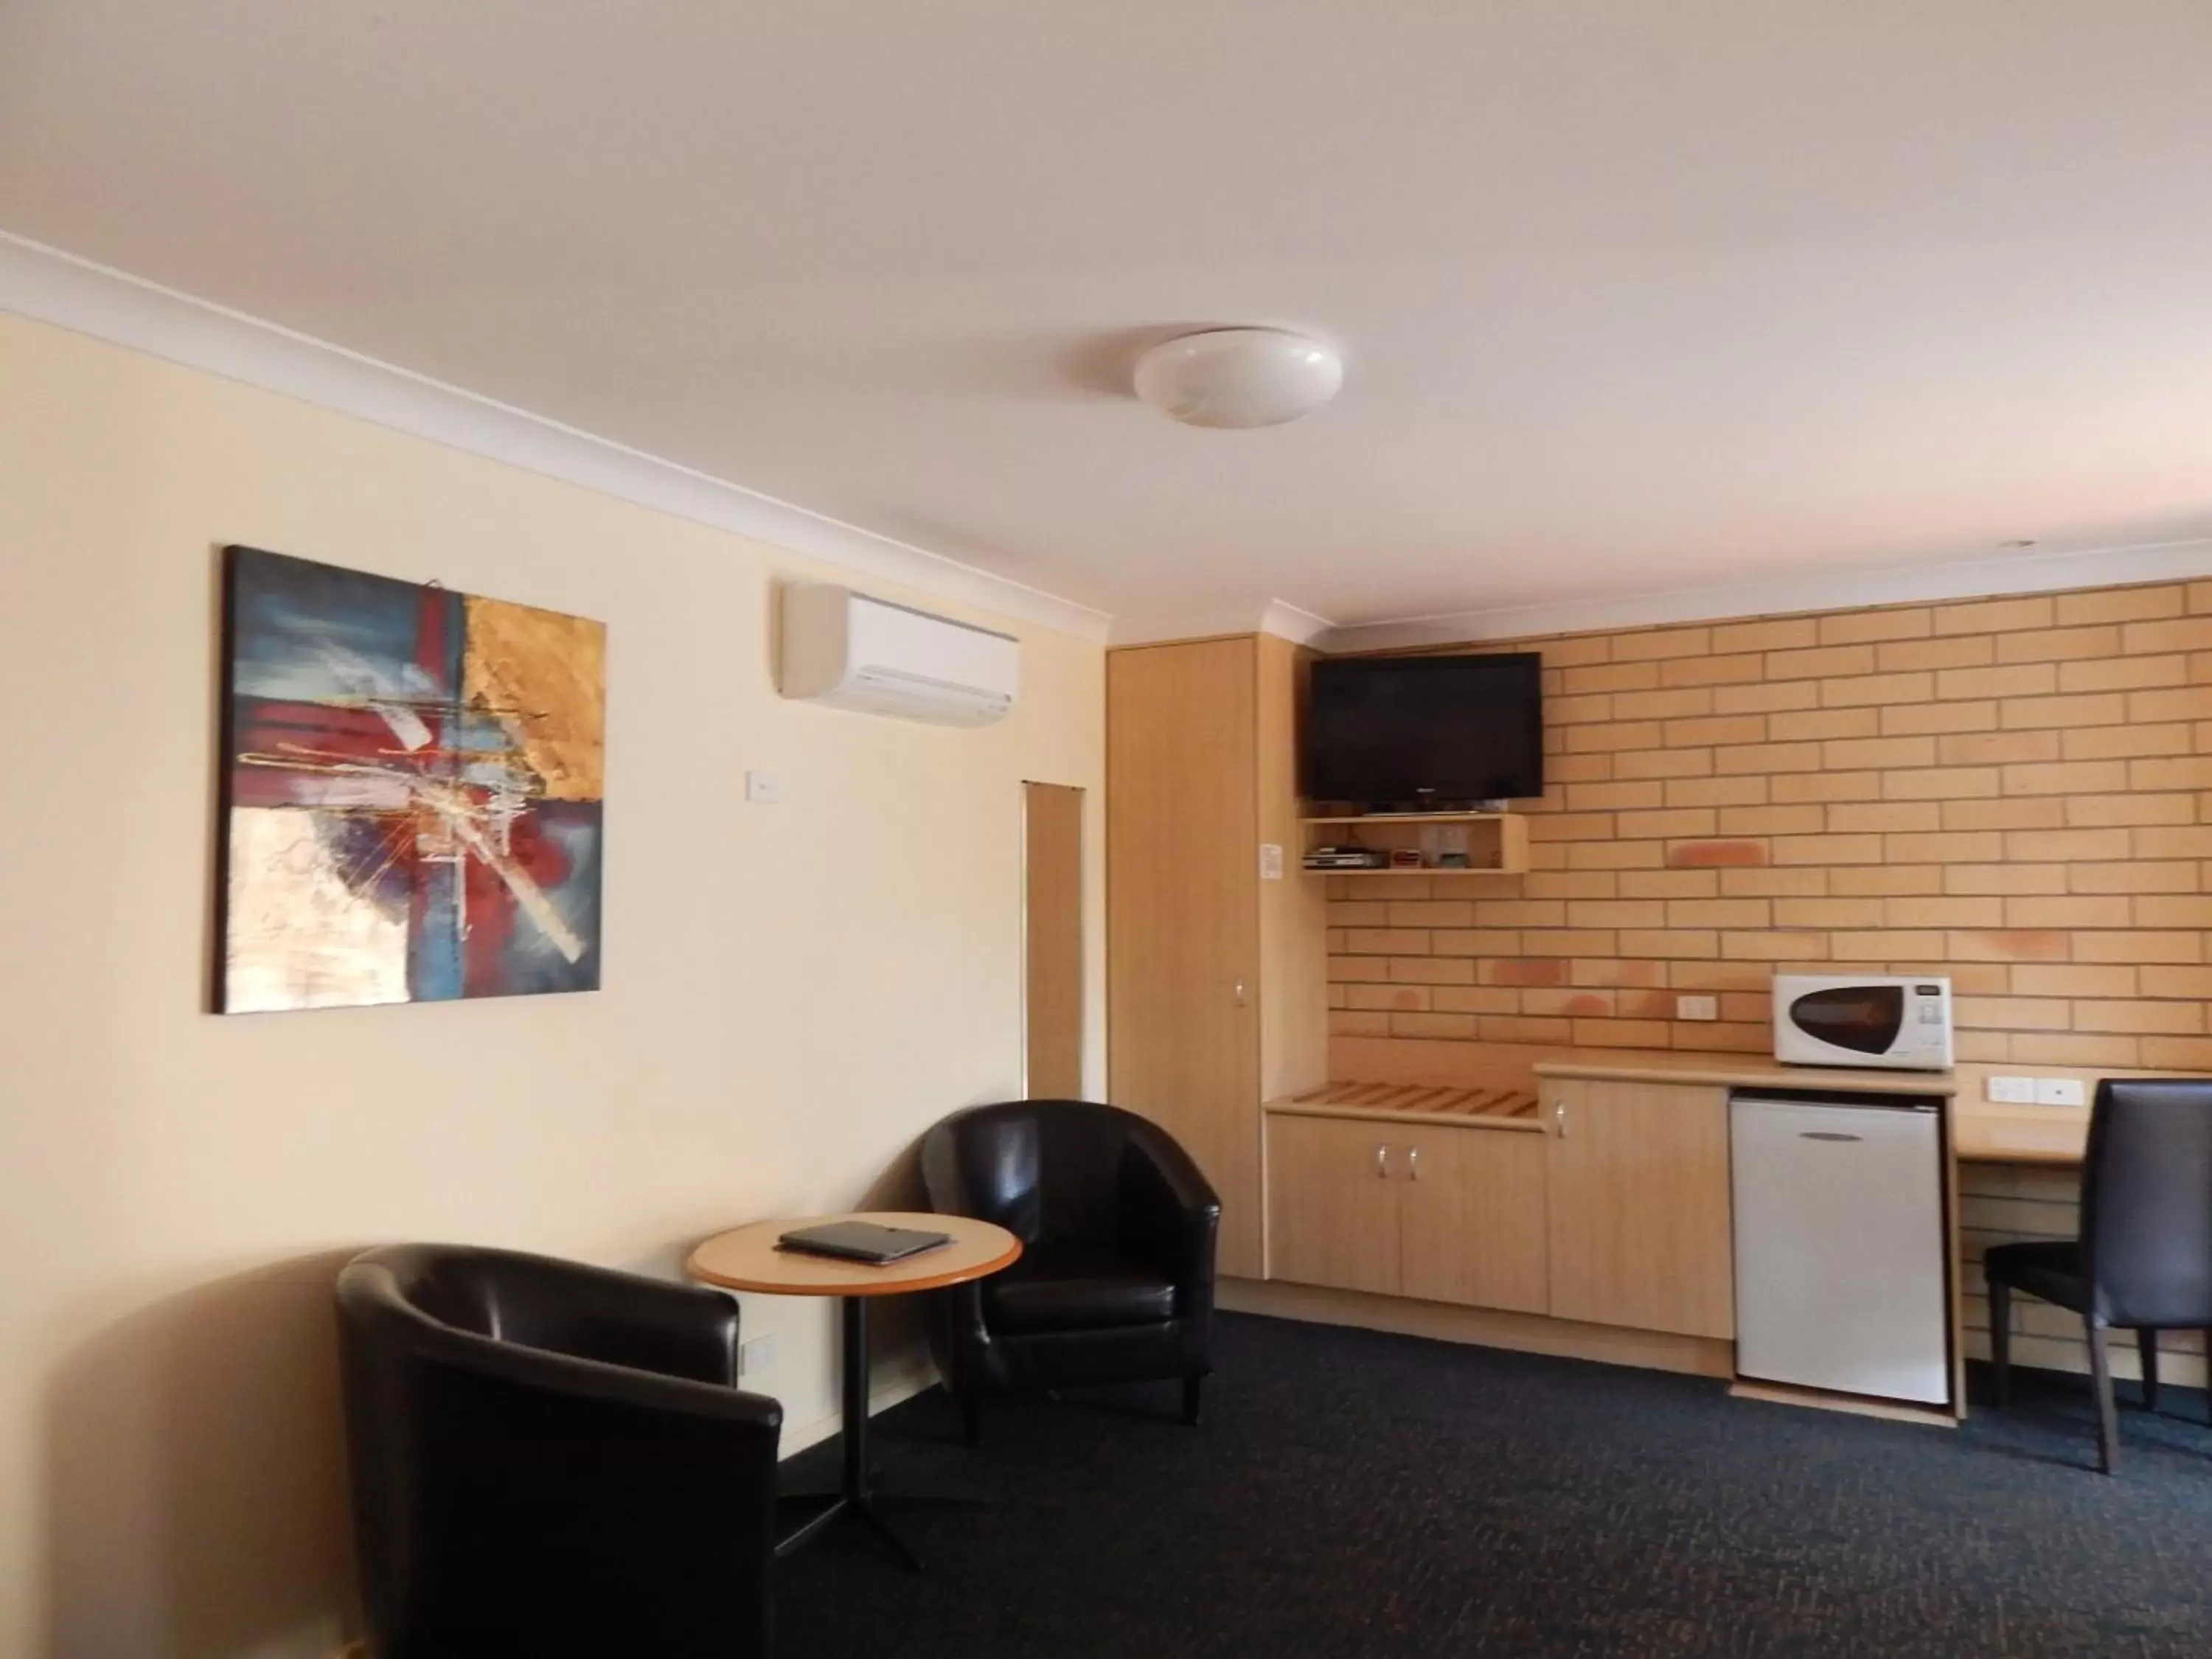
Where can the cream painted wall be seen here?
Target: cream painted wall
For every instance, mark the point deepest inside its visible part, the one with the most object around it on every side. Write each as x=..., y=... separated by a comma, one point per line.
x=792, y=992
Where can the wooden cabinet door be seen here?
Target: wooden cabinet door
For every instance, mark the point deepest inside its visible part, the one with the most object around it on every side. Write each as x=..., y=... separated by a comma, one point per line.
x=1472, y=1227
x=1333, y=1198
x=1183, y=933
x=1637, y=1192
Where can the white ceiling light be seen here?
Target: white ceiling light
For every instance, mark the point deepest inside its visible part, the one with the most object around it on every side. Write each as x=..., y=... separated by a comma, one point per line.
x=1239, y=377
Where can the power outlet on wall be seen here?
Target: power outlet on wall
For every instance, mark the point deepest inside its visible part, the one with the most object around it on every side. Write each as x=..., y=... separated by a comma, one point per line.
x=1697, y=1007
x=758, y=1355
x=2037, y=1090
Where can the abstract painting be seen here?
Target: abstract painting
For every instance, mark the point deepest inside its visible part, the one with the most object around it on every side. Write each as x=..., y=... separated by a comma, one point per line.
x=413, y=788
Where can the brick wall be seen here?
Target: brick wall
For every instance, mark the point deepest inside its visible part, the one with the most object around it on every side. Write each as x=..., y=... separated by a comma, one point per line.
x=2016, y=793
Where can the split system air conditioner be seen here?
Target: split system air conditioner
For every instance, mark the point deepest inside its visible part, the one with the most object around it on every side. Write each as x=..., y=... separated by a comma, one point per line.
x=852, y=652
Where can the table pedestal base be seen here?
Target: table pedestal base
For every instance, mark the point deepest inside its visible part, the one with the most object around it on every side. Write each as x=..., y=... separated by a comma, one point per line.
x=856, y=1497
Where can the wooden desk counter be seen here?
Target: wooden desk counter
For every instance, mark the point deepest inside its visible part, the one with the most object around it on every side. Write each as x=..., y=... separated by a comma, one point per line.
x=1738, y=1072
x=1985, y=1134
x=1981, y=1133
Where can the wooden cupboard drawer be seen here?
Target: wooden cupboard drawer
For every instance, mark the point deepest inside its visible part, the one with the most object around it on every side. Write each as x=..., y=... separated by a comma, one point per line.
x=1439, y=1212
x=1332, y=1204
x=1471, y=1219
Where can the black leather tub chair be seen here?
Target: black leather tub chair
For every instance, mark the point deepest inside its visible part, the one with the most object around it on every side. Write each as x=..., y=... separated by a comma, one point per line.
x=2143, y=1261
x=1115, y=1280
x=552, y=1460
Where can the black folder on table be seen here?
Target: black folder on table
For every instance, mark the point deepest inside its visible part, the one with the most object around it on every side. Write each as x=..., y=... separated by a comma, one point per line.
x=861, y=1240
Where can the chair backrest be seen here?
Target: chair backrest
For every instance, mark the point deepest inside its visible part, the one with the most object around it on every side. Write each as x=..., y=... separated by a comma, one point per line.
x=1043, y=1169
x=509, y=1296
x=511, y=1490
x=2147, y=1202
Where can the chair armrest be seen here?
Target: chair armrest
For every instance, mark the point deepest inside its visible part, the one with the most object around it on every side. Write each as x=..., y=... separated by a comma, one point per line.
x=1173, y=1209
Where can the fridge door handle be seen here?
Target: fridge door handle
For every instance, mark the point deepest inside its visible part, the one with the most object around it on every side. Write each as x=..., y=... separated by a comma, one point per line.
x=1825, y=1134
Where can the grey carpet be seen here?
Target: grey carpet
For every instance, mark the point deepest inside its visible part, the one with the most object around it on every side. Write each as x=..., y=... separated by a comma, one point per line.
x=1353, y=1494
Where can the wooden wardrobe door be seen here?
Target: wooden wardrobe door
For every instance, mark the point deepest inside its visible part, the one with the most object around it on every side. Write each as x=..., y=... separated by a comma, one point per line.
x=1181, y=913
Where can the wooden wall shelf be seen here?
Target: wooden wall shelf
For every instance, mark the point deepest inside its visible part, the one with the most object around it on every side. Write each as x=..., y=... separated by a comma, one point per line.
x=1422, y=869
x=1413, y=817
x=1496, y=843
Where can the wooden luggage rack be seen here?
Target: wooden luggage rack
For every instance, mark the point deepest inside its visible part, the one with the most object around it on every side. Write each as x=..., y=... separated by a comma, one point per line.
x=1417, y=1103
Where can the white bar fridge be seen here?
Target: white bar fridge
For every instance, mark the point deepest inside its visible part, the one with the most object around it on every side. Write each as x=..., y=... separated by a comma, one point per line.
x=1840, y=1277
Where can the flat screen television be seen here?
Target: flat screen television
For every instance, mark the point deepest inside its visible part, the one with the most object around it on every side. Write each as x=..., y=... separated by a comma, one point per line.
x=1414, y=733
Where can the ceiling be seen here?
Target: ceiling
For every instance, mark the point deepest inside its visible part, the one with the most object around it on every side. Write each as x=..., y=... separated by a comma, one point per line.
x=1634, y=298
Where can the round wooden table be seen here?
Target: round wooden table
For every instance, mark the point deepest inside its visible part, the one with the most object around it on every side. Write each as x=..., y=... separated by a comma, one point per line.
x=748, y=1259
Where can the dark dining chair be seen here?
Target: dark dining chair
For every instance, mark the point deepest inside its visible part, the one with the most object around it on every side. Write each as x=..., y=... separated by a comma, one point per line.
x=2143, y=1261
x=1115, y=1279
x=552, y=1460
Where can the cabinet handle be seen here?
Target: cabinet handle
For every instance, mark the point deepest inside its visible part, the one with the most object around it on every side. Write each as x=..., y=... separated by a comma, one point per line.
x=1383, y=1163
x=1413, y=1164
x=1559, y=1117
x=1239, y=989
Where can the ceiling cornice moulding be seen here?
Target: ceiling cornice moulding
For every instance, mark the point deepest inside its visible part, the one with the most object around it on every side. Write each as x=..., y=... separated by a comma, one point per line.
x=1840, y=591
x=51, y=286
x=1277, y=617
x=1288, y=622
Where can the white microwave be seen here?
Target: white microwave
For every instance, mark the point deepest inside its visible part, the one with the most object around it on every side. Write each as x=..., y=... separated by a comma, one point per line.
x=1862, y=1019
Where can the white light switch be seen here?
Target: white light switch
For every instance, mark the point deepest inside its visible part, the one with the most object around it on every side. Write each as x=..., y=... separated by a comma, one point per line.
x=1271, y=861
x=1697, y=1007
x=2058, y=1092
x=2013, y=1090
x=765, y=788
